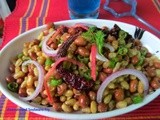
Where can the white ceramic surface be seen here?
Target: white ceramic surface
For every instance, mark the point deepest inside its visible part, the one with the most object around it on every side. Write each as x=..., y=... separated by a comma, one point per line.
x=15, y=46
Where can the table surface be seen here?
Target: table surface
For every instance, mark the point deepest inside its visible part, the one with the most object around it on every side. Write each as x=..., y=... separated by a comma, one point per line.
x=26, y=18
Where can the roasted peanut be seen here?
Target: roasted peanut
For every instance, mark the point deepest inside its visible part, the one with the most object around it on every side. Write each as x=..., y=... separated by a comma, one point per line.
x=102, y=76
x=134, y=59
x=133, y=85
x=80, y=41
x=108, y=70
x=92, y=95
x=33, y=55
x=61, y=89
x=140, y=87
x=155, y=84
x=119, y=94
x=10, y=79
x=12, y=68
x=151, y=71
x=19, y=81
x=22, y=92
x=102, y=107
x=83, y=51
x=83, y=101
x=58, y=107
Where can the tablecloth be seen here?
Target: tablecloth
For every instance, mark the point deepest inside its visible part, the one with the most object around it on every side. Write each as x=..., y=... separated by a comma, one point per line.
x=32, y=13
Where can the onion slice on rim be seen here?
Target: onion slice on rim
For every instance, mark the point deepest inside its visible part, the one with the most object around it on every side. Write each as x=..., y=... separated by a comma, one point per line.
x=113, y=76
x=40, y=80
x=48, y=51
x=102, y=58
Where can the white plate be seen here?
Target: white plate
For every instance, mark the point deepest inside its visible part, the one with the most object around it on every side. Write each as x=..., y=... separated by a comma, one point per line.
x=15, y=46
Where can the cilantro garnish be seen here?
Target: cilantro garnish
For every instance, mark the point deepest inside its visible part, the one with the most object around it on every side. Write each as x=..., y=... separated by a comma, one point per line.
x=95, y=36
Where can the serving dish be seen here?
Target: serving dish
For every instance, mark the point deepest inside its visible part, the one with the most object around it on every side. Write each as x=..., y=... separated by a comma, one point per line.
x=15, y=46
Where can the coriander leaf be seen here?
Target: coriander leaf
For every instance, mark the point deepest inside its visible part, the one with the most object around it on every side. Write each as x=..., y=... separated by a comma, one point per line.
x=89, y=35
x=99, y=37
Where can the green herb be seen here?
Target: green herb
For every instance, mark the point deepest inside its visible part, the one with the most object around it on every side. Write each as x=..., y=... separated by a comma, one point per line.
x=99, y=36
x=55, y=82
x=13, y=86
x=89, y=35
x=94, y=36
x=137, y=99
x=48, y=62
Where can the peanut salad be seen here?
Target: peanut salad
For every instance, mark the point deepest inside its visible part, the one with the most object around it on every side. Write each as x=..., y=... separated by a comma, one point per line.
x=84, y=68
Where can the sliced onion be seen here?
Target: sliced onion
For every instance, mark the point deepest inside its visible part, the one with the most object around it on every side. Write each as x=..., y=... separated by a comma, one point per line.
x=48, y=51
x=113, y=76
x=40, y=80
x=110, y=47
x=102, y=58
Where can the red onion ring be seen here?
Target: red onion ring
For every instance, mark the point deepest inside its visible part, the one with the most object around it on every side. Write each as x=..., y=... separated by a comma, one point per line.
x=113, y=76
x=48, y=51
x=40, y=80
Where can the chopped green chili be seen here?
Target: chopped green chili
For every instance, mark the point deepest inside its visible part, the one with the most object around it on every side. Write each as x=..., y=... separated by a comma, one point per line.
x=137, y=99
x=48, y=62
x=87, y=75
x=122, y=50
x=13, y=86
x=55, y=82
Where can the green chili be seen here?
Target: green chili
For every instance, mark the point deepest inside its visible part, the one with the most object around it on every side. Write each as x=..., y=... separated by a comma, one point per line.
x=13, y=86
x=122, y=50
x=55, y=82
x=137, y=99
x=48, y=62
x=87, y=75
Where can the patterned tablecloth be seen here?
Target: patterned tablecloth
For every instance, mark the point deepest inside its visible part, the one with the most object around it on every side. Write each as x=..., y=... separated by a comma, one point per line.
x=31, y=13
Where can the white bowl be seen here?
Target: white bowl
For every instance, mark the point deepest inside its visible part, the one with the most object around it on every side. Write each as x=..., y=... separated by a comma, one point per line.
x=15, y=46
